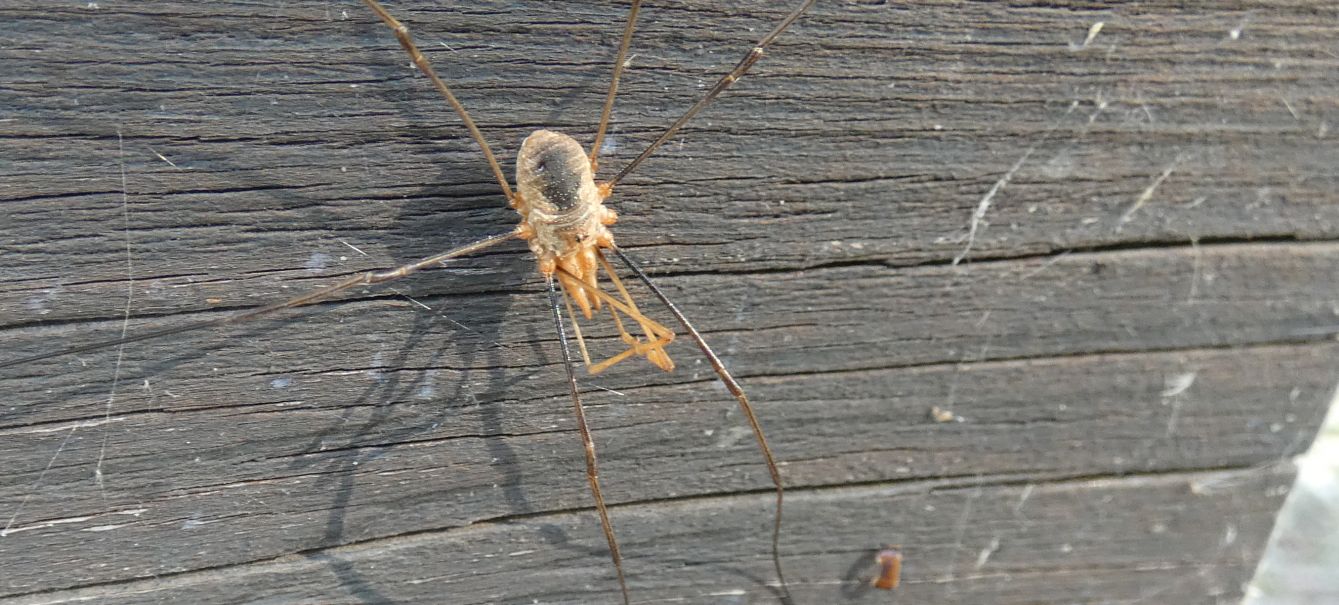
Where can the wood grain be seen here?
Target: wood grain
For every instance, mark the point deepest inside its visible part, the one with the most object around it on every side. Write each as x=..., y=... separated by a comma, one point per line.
x=1107, y=254
x=1184, y=537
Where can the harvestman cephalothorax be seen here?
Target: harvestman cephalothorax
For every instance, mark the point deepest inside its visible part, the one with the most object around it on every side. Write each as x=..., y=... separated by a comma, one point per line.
x=566, y=225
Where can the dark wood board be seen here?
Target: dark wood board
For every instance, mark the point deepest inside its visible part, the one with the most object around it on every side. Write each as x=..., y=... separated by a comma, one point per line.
x=1170, y=538
x=1107, y=252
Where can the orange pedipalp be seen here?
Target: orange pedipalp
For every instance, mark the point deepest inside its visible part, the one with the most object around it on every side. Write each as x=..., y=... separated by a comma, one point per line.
x=652, y=347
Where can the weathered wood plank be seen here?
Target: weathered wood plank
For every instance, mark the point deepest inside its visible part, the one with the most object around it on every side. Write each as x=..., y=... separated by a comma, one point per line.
x=809, y=221
x=773, y=323
x=250, y=481
x=1175, y=538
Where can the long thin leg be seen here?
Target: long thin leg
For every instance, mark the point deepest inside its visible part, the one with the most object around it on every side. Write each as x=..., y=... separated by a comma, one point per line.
x=738, y=392
x=619, y=60
x=361, y=279
x=402, y=34
x=576, y=329
x=725, y=82
x=592, y=472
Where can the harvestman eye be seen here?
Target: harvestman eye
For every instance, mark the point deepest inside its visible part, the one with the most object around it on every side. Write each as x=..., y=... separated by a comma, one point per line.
x=566, y=225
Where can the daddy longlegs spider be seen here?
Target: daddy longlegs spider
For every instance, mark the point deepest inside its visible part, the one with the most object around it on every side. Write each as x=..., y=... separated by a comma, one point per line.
x=566, y=225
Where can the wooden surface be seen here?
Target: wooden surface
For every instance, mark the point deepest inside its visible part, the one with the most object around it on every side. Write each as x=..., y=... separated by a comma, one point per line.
x=1139, y=334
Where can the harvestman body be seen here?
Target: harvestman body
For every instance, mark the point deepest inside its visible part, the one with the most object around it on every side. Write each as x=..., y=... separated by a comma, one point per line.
x=566, y=225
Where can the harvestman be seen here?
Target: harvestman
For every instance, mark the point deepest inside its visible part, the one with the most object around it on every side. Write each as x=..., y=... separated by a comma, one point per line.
x=566, y=225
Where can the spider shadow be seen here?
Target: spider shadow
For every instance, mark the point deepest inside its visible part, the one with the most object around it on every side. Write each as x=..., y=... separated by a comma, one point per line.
x=364, y=444
x=358, y=437
x=358, y=441
x=413, y=229
x=473, y=209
